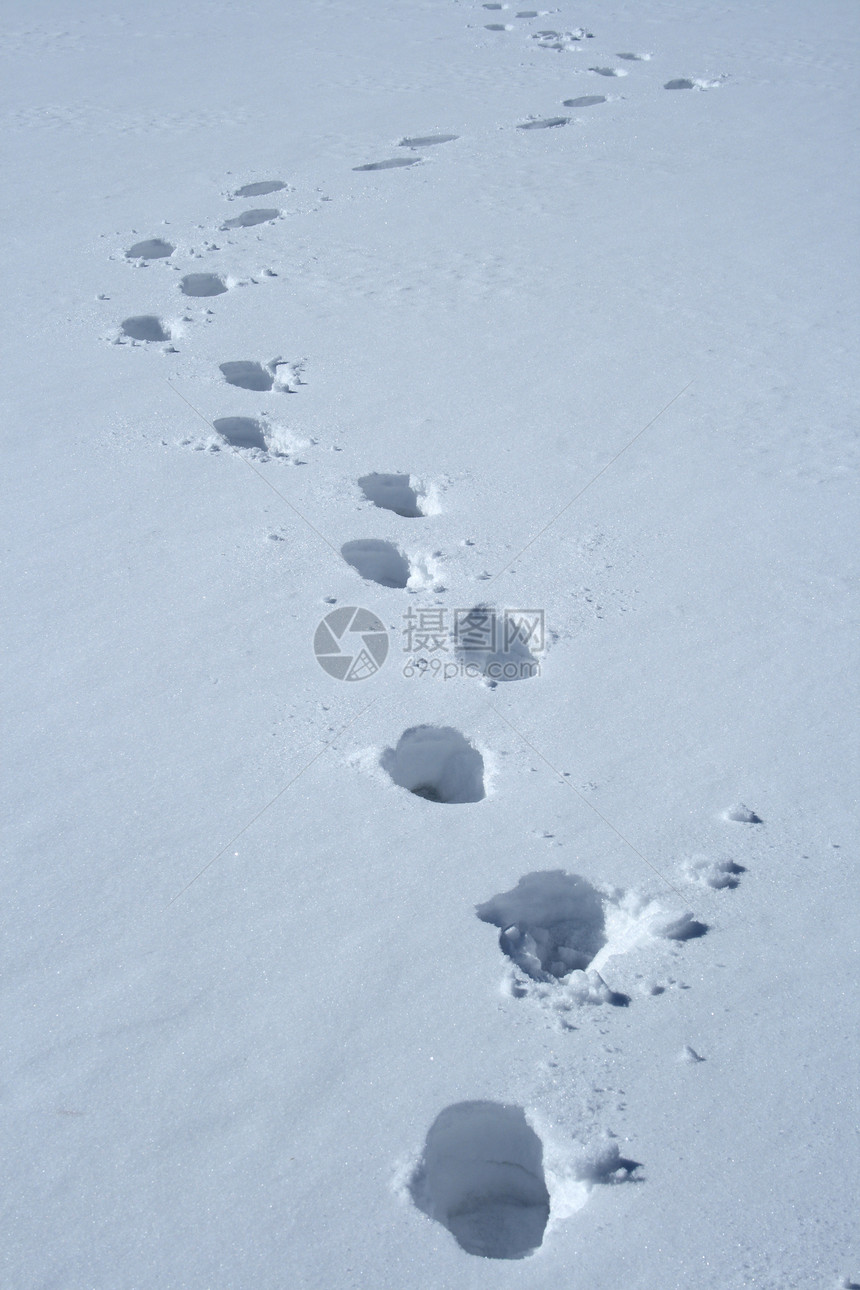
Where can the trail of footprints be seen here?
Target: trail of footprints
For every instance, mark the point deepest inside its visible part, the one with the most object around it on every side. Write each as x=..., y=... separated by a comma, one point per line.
x=481, y=1171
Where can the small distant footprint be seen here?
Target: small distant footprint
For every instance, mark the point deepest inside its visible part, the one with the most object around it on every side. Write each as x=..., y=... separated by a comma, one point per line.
x=260, y=189
x=498, y=26
x=249, y=218
x=393, y=163
x=427, y=141
x=545, y=123
x=587, y=100
x=203, y=284
x=635, y=58
x=145, y=327
x=608, y=71
x=153, y=249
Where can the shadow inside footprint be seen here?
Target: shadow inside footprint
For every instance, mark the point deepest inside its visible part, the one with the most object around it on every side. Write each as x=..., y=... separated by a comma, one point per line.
x=247, y=375
x=377, y=561
x=202, y=284
x=153, y=249
x=144, y=327
x=427, y=141
x=392, y=493
x=393, y=163
x=436, y=763
x=546, y=124
x=552, y=923
x=680, y=84
x=249, y=218
x=260, y=189
x=587, y=100
x=481, y=1176
x=241, y=432
x=496, y=646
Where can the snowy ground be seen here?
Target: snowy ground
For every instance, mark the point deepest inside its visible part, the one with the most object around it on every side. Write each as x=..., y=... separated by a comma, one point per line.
x=271, y=1019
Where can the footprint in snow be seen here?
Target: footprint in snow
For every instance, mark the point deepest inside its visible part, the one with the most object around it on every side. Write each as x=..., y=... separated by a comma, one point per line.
x=496, y=646
x=635, y=58
x=202, y=284
x=260, y=189
x=427, y=141
x=248, y=375
x=498, y=26
x=242, y=432
x=145, y=327
x=394, y=493
x=249, y=218
x=587, y=100
x=152, y=249
x=377, y=561
x=481, y=1176
x=684, y=83
x=718, y=874
x=545, y=123
x=437, y=763
x=393, y=163
x=551, y=924
x=558, y=931
x=608, y=71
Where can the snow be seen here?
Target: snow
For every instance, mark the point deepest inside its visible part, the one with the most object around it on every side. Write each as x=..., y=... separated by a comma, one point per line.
x=264, y=1026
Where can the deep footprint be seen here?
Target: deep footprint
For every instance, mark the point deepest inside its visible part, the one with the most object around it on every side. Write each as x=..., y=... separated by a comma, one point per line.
x=377, y=561
x=437, y=763
x=260, y=189
x=247, y=375
x=392, y=164
x=680, y=84
x=546, y=124
x=481, y=1176
x=249, y=218
x=145, y=327
x=552, y=923
x=392, y=493
x=608, y=71
x=241, y=432
x=202, y=284
x=153, y=249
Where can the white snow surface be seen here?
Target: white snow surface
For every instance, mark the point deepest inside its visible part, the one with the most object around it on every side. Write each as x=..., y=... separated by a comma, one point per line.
x=603, y=366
